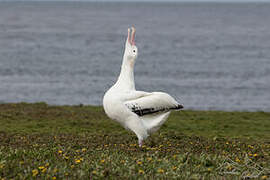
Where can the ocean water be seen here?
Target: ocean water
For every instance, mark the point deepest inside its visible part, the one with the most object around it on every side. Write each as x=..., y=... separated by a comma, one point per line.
x=209, y=56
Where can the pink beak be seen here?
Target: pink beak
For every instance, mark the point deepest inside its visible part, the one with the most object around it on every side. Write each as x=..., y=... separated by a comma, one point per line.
x=132, y=39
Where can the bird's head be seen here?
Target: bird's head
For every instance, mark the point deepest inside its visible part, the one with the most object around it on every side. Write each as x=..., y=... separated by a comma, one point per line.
x=131, y=50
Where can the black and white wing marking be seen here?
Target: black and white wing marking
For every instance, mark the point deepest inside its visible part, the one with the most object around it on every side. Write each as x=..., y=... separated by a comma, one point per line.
x=154, y=103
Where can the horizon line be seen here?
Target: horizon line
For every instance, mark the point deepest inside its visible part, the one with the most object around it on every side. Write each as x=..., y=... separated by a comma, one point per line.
x=152, y=1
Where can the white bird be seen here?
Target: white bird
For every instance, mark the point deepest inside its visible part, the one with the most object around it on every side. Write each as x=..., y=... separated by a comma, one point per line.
x=139, y=111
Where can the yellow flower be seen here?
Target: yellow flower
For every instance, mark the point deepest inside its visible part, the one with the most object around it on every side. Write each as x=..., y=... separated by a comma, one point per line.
x=21, y=162
x=209, y=169
x=149, y=159
x=77, y=161
x=227, y=143
x=94, y=172
x=60, y=152
x=84, y=149
x=264, y=177
x=47, y=164
x=160, y=171
x=34, y=172
x=174, y=168
x=44, y=170
x=174, y=156
x=66, y=157
x=53, y=177
x=41, y=167
x=77, y=150
x=102, y=160
x=141, y=171
x=237, y=159
x=66, y=174
x=139, y=162
x=72, y=166
x=255, y=155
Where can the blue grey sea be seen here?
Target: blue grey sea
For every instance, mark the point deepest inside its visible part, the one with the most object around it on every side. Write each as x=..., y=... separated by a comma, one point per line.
x=209, y=56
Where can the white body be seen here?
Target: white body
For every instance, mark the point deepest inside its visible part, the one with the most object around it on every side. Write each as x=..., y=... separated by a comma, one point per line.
x=139, y=111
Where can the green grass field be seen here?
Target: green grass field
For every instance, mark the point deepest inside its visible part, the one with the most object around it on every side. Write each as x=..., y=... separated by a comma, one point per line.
x=38, y=141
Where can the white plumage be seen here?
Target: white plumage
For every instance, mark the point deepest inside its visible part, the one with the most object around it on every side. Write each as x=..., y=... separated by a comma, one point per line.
x=139, y=111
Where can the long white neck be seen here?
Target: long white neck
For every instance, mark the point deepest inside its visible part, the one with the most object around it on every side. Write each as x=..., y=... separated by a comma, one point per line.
x=126, y=78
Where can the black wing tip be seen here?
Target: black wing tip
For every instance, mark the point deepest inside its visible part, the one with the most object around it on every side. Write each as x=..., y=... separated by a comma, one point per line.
x=179, y=106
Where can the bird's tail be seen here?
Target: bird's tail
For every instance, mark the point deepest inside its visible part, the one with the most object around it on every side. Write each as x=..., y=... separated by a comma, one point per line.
x=152, y=123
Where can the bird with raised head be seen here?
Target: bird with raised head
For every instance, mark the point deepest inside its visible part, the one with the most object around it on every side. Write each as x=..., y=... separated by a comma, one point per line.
x=141, y=112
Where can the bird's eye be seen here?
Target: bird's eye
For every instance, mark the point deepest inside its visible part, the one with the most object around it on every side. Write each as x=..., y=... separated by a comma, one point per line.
x=134, y=50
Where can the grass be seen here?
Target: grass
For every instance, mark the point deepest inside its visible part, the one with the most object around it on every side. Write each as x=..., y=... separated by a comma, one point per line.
x=38, y=141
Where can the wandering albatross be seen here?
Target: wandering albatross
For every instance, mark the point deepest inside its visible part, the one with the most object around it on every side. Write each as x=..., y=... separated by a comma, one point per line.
x=141, y=112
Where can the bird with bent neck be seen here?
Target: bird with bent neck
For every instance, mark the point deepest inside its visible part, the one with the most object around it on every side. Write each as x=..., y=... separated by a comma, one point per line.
x=141, y=112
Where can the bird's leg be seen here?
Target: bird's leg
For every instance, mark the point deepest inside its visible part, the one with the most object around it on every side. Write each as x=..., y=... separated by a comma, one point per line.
x=140, y=142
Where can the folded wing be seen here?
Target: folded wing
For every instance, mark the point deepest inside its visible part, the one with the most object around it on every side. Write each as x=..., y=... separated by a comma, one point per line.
x=156, y=102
